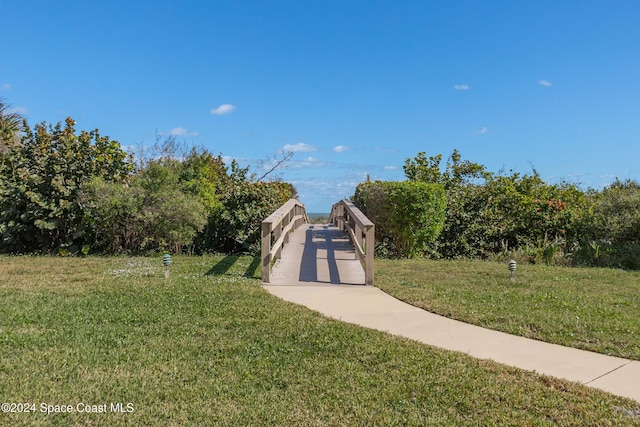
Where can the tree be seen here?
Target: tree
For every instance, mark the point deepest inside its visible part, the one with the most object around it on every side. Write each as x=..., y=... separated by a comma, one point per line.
x=42, y=178
x=11, y=123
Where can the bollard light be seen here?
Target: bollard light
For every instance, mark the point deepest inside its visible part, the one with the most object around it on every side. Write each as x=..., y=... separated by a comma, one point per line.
x=166, y=260
x=512, y=269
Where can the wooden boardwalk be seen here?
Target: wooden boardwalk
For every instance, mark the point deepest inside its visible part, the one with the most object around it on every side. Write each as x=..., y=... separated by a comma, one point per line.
x=318, y=255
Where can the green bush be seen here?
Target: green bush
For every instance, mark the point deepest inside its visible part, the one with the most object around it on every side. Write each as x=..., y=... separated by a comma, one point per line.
x=407, y=214
x=69, y=193
x=236, y=227
x=42, y=176
x=611, y=236
x=496, y=213
x=149, y=214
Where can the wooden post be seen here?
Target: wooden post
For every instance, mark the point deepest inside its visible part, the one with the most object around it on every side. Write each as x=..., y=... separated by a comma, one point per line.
x=277, y=232
x=369, y=243
x=266, y=251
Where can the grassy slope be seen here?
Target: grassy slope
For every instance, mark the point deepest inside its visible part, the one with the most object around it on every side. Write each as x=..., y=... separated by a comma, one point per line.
x=216, y=349
x=587, y=308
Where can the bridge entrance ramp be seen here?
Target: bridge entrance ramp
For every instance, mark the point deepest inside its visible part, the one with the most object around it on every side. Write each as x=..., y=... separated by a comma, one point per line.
x=318, y=254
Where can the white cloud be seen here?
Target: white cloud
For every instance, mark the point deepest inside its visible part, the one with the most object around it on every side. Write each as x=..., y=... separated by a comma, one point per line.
x=545, y=83
x=390, y=168
x=340, y=148
x=300, y=147
x=182, y=132
x=5, y=86
x=223, y=109
x=481, y=131
x=462, y=87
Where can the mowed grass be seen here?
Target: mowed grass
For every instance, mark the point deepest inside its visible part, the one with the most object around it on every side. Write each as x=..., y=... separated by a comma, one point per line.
x=587, y=308
x=209, y=346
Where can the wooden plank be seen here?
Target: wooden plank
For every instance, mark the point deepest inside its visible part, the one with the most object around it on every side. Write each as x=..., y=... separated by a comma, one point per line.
x=347, y=216
x=282, y=211
x=294, y=212
x=354, y=240
x=285, y=231
x=357, y=214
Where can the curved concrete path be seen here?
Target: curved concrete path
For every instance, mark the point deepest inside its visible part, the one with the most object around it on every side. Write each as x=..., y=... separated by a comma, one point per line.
x=370, y=307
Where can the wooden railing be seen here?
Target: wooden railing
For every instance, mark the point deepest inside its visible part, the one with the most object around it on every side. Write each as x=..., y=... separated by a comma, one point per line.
x=275, y=232
x=346, y=216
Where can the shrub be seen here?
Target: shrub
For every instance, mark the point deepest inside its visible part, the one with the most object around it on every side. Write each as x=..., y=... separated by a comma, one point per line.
x=42, y=177
x=149, y=214
x=408, y=214
x=236, y=226
x=492, y=213
x=611, y=235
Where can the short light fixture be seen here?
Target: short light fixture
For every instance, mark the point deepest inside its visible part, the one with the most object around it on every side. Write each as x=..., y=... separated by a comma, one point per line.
x=166, y=260
x=512, y=269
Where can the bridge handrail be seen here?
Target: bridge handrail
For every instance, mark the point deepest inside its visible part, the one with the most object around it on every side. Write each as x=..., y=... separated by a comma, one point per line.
x=276, y=227
x=346, y=216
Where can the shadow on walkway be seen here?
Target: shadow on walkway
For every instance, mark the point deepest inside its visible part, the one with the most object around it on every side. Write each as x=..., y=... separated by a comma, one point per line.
x=322, y=243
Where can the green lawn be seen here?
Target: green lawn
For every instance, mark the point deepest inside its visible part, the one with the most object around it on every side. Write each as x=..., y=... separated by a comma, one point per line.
x=588, y=308
x=210, y=347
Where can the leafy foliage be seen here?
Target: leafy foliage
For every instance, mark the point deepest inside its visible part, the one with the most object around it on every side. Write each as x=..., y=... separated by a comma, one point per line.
x=194, y=203
x=65, y=192
x=494, y=214
x=246, y=204
x=11, y=124
x=407, y=214
x=42, y=177
x=612, y=234
x=151, y=213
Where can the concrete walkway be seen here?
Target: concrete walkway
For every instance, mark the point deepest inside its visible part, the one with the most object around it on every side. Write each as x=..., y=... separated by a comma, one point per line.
x=324, y=276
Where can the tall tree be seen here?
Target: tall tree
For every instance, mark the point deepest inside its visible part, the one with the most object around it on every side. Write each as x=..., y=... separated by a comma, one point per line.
x=10, y=126
x=41, y=180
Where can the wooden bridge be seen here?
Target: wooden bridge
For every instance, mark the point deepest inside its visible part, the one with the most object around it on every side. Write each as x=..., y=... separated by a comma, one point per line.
x=295, y=252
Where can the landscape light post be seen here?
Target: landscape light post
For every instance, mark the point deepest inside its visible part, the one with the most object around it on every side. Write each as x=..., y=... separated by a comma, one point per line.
x=512, y=269
x=166, y=260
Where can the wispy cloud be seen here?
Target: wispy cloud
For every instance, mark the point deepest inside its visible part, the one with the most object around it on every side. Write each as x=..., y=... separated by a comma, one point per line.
x=5, y=86
x=300, y=147
x=481, y=131
x=340, y=148
x=390, y=168
x=545, y=83
x=462, y=87
x=223, y=109
x=309, y=162
x=181, y=132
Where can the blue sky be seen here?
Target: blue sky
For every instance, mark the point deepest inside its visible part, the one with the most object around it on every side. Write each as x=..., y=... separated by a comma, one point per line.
x=352, y=87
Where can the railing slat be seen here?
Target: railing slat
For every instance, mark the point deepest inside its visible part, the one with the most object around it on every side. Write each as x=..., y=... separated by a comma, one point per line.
x=279, y=224
x=347, y=216
x=277, y=246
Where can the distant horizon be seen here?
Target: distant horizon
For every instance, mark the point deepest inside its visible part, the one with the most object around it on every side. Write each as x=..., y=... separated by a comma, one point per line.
x=350, y=88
